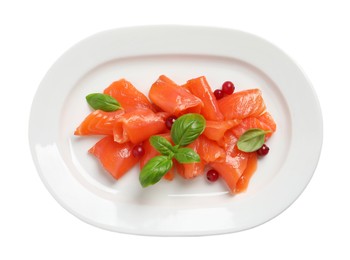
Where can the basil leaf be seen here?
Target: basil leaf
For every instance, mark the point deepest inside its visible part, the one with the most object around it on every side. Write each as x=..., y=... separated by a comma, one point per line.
x=187, y=128
x=162, y=145
x=154, y=170
x=103, y=102
x=186, y=155
x=251, y=140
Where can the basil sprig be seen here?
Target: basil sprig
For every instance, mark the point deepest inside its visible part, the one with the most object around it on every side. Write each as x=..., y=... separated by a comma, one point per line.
x=184, y=131
x=251, y=140
x=103, y=102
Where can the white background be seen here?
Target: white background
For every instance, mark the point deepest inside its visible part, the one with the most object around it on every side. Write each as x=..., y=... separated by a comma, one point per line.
x=35, y=33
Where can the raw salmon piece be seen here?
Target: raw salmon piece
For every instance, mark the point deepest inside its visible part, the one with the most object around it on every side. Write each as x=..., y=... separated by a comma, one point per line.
x=242, y=104
x=190, y=170
x=232, y=168
x=228, y=142
x=150, y=152
x=239, y=167
x=99, y=123
x=115, y=158
x=264, y=122
x=208, y=150
x=172, y=98
x=235, y=163
x=215, y=130
x=201, y=89
x=127, y=95
x=138, y=125
x=243, y=181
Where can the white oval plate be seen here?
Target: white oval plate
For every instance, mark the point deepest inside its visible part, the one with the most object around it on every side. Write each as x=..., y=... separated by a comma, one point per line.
x=141, y=54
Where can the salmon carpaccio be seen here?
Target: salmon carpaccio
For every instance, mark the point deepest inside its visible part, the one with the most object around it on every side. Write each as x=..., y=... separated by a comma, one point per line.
x=115, y=158
x=128, y=96
x=140, y=118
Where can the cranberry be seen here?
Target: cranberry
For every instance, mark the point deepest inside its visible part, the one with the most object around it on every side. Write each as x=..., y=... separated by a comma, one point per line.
x=170, y=121
x=212, y=175
x=263, y=150
x=218, y=94
x=138, y=151
x=228, y=87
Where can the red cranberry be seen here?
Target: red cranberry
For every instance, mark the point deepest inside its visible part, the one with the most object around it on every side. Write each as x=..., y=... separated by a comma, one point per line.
x=228, y=87
x=170, y=121
x=212, y=175
x=138, y=151
x=263, y=150
x=219, y=94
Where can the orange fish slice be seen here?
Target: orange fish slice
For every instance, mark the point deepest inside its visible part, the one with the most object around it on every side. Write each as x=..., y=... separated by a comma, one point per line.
x=127, y=95
x=208, y=150
x=232, y=168
x=215, y=130
x=242, y=104
x=99, y=123
x=201, y=89
x=235, y=163
x=243, y=181
x=115, y=158
x=172, y=98
x=264, y=122
x=190, y=170
x=138, y=125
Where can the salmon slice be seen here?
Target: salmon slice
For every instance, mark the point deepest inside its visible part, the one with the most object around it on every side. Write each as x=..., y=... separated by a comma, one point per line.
x=151, y=152
x=231, y=169
x=172, y=98
x=115, y=158
x=99, y=123
x=239, y=167
x=190, y=170
x=264, y=122
x=228, y=142
x=208, y=150
x=127, y=95
x=234, y=164
x=201, y=89
x=138, y=125
x=243, y=181
x=242, y=104
x=215, y=130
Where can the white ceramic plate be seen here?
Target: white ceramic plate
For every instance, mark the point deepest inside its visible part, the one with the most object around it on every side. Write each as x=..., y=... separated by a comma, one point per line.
x=141, y=54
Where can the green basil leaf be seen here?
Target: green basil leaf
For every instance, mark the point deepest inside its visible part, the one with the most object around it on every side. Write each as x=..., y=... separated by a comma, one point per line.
x=154, y=170
x=186, y=155
x=103, y=102
x=251, y=140
x=162, y=145
x=187, y=128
